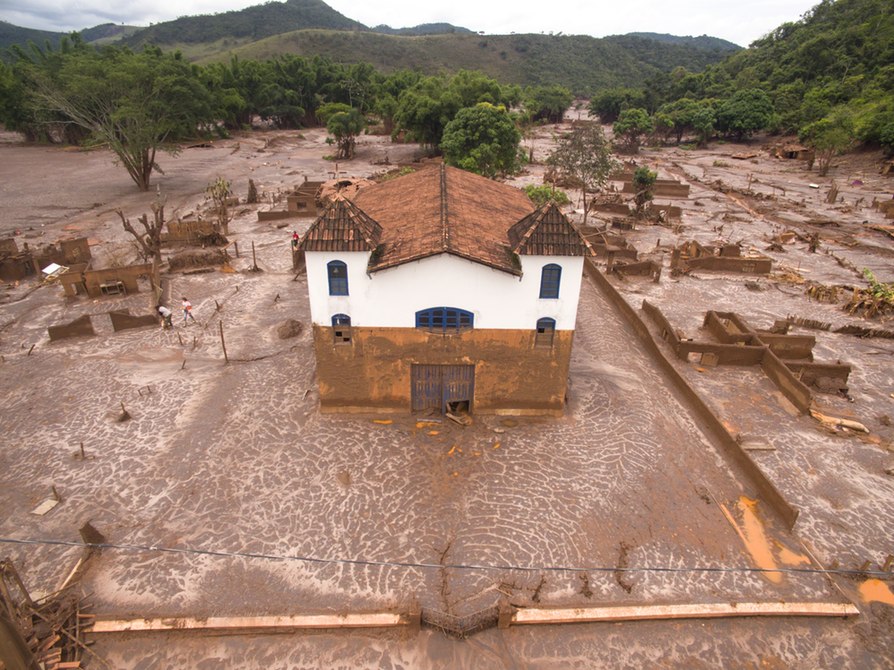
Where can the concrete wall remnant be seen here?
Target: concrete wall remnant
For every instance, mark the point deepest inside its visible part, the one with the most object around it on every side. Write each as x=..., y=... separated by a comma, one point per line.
x=787, y=360
x=80, y=327
x=16, y=265
x=67, y=252
x=723, y=258
x=123, y=320
x=107, y=281
x=666, y=188
x=642, y=268
x=188, y=232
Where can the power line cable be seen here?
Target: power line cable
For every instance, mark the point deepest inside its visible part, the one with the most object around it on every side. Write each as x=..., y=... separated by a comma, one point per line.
x=433, y=566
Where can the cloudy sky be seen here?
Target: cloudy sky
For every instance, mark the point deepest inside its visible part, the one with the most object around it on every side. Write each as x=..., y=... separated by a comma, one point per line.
x=740, y=22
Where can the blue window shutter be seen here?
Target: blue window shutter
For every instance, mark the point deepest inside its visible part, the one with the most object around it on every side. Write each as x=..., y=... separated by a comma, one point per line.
x=550, y=279
x=338, y=278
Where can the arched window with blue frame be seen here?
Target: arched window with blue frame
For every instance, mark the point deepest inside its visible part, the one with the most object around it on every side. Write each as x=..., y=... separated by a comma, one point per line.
x=341, y=328
x=338, y=277
x=546, y=330
x=444, y=319
x=550, y=278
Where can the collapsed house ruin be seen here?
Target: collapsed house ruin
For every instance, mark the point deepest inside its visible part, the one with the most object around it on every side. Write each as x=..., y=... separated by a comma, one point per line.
x=786, y=359
x=694, y=255
x=16, y=265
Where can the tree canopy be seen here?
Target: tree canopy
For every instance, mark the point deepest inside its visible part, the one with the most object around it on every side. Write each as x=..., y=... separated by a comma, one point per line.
x=482, y=139
x=584, y=156
x=136, y=104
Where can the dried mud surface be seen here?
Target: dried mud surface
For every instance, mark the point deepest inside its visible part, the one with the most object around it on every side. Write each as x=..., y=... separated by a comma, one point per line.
x=233, y=469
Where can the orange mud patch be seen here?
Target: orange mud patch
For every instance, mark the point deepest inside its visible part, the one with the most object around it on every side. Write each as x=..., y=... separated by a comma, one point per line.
x=876, y=591
x=754, y=537
x=383, y=422
x=789, y=557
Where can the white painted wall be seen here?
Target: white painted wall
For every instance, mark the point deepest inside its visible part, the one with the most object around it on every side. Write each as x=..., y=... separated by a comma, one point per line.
x=390, y=298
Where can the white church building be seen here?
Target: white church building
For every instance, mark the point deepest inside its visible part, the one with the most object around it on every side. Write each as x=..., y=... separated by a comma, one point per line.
x=443, y=290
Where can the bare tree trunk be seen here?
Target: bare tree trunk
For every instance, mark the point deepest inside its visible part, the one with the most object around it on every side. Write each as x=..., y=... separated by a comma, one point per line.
x=149, y=240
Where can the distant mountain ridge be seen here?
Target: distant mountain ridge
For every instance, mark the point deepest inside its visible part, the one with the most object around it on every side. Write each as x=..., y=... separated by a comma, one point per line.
x=311, y=27
x=700, y=42
x=422, y=29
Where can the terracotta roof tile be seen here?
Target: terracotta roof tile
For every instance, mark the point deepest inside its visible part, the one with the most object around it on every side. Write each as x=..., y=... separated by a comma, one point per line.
x=547, y=232
x=342, y=227
x=442, y=209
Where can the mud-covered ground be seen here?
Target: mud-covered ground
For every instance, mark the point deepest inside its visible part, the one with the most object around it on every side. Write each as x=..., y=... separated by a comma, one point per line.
x=232, y=467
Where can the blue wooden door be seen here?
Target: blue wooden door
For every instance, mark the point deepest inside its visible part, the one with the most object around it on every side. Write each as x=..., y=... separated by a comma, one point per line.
x=435, y=386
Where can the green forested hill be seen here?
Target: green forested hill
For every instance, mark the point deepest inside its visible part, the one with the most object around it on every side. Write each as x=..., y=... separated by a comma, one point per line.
x=829, y=77
x=702, y=41
x=252, y=23
x=581, y=63
x=10, y=34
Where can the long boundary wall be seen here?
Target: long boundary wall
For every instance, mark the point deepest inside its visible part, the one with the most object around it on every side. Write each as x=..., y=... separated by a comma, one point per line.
x=712, y=424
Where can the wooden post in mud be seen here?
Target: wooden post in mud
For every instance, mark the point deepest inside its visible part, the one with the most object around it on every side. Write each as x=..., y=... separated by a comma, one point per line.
x=236, y=248
x=254, y=260
x=223, y=344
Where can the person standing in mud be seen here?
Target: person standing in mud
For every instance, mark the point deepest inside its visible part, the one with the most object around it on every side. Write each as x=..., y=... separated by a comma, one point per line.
x=187, y=311
x=166, y=315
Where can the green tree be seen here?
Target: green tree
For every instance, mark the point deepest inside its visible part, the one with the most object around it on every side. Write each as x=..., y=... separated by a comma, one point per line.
x=544, y=193
x=643, y=181
x=632, y=127
x=136, y=104
x=344, y=123
x=829, y=137
x=585, y=157
x=547, y=103
x=425, y=109
x=745, y=113
x=482, y=139
x=609, y=103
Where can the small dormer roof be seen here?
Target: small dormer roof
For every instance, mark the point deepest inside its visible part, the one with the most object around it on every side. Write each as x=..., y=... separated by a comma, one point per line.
x=342, y=227
x=547, y=232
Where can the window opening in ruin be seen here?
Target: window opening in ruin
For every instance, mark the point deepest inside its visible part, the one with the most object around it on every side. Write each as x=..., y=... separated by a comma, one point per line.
x=550, y=278
x=445, y=319
x=338, y=278
x=341, y=328
x=546, y=330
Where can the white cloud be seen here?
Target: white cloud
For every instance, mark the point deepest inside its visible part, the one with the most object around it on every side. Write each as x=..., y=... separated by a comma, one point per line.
x=740, y=22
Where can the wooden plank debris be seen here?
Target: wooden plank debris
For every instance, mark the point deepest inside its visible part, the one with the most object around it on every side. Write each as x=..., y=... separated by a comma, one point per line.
x=685, y=611
x=244, y=623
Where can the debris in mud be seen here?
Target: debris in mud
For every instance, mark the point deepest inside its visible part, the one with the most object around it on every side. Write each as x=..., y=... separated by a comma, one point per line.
x=623, y=564
x=837, y=422
x=461, y=419
x=825, y=294
x=289, y=328
x=877, y=300
x=585, y=589
x=48, y=632
x=194, y=259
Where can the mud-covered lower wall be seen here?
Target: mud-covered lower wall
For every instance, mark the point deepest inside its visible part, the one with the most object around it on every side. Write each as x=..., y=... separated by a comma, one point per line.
x=373, y=371
x=123, y=320
x=709, y=421
x=80, y=327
